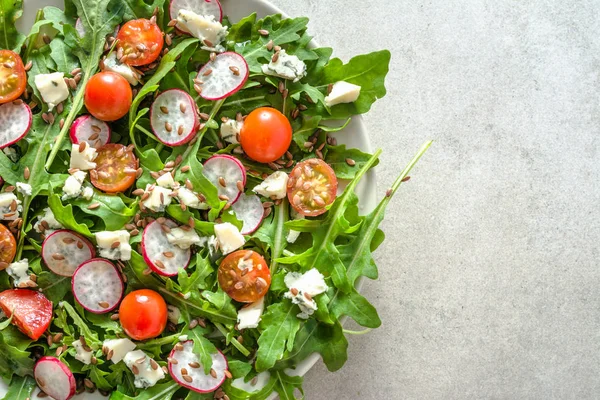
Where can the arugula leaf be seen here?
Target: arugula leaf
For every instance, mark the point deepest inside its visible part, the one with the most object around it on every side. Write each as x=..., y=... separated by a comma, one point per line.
x=99, y=378
x=196, y=306
x=20, y=388
x=53, y=286
x=105, y=322
x=64, y=215
x=111, y=209
x=135, y=9
x=221, y=301
x=273, y=232
x=203, y=347
x=13, y=357
x=10, y=38
x=337, y=155
x=197, y=279
x=279, y=326
x=62, y=56
x=287, y=385
x=239, y=369
x=90, y=336
x=162, y=391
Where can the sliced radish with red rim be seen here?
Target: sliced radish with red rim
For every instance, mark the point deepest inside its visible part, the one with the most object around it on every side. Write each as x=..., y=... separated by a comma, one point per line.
x=97, y=285
x=63, y=251
x=227, y=173
x=54, y=378
x=163, y=257
x=222, y=77
x=200, y=7
x=249, y=210
x=194, y=378
x=173, y=117
x=88, y=129
x=15, y=122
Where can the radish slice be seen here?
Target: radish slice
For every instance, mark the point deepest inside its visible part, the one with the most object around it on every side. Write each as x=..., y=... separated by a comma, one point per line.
x=54, y=378
x=195, y=379
x=173, y=117
x=63, y=251
x=15, y=120
x=249, y=210
x=200, y=7
x=88, y=129
x=222, y=77
x=161, y=256
x=97, y=286
x=231, y=170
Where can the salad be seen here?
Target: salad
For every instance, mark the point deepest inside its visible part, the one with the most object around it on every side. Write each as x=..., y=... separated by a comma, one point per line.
x=173, y=219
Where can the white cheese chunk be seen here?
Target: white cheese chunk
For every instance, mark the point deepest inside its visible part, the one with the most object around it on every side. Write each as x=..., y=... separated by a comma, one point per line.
x=174, y=314
x=183, y=239
x=342, y=92
x=87, y=193
x=118, y=347
x=158, y=199
x=106, y=239
x=166, y=181
x=293, y=235
x=112, y=64
x=286, y=66
x=303, y=287
x=249, y=316
x=190, y=199
x=19, y=271
x=11, y=154
x=83, y=160
x=203, y=27
x=230, y=130
x=6, y=206
x=229, y=237
x=147, y=371
x=183, y=338
x=274, y=187
x=24, y=188
x=82, y=354
x=50, y=221
x=53, y=88
x=73, y=185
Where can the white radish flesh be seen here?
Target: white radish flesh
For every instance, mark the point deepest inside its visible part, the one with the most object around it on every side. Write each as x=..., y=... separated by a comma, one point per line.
x=161, y=256
x=15, y=120
x=222, y=77
x=54, y=378
x=249, y=210
x=173, y=117
x=195, y=378
x=63, y=251
x=88, y=129
x=200, y=7
x=97, y=285
x=225, y=172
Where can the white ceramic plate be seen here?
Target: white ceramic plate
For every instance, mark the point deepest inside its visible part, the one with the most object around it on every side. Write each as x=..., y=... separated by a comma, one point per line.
x=354, y=135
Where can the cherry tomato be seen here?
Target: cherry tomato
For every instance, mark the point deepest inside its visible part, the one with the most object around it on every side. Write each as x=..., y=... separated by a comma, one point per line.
x=115, y=168
x=244, y=275
x=141, y=42
x=12, y=76
x=312, y=187
x=108, y=96
x=32, y=310
x=266, y=135
x=8, y=247
x=143, y=314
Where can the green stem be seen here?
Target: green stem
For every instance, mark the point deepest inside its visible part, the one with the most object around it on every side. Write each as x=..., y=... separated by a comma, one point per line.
x=363, y=332
x=288, y=253
x=26, y=204
x=161, y=341
x=147, y=133
x=234, y=341
x=279, y=240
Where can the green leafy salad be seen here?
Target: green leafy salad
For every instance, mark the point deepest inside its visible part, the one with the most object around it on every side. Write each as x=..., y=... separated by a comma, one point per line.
x=178, y=218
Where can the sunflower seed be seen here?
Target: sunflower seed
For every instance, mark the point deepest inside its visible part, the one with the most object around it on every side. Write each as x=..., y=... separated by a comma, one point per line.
x=270, y=45
x=93, y=206
x=188, y=378
x=350, y=162
x=235, y=70
x=26, y=173
x=164, y=109
x=103, y=304
x=213, y=373
x=263, y=32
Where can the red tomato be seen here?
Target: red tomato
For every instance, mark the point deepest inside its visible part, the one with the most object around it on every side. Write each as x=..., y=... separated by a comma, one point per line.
x=312, y=187
x=8, y=247
x=12, y=76
x=266, y=135
x=115, y=168
x=244, y=275
x=140, y=41
x=143, y=314
x=108, y=96
x=32, y=310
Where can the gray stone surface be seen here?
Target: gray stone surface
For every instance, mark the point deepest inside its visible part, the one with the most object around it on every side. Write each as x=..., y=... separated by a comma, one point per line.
x=489, y=276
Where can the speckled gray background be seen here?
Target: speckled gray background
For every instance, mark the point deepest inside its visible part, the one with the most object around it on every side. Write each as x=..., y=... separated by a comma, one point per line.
x=489, y=277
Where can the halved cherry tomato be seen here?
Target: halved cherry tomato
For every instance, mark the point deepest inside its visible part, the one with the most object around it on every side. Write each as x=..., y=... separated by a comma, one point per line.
x=266, y=134
x=32, y=310
x=140, y=41
x=312, y=187
x=244, y=275
x=12, y=76
x=8, y=247
x=143, y=314
x=115, y=168
x=108, y=96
